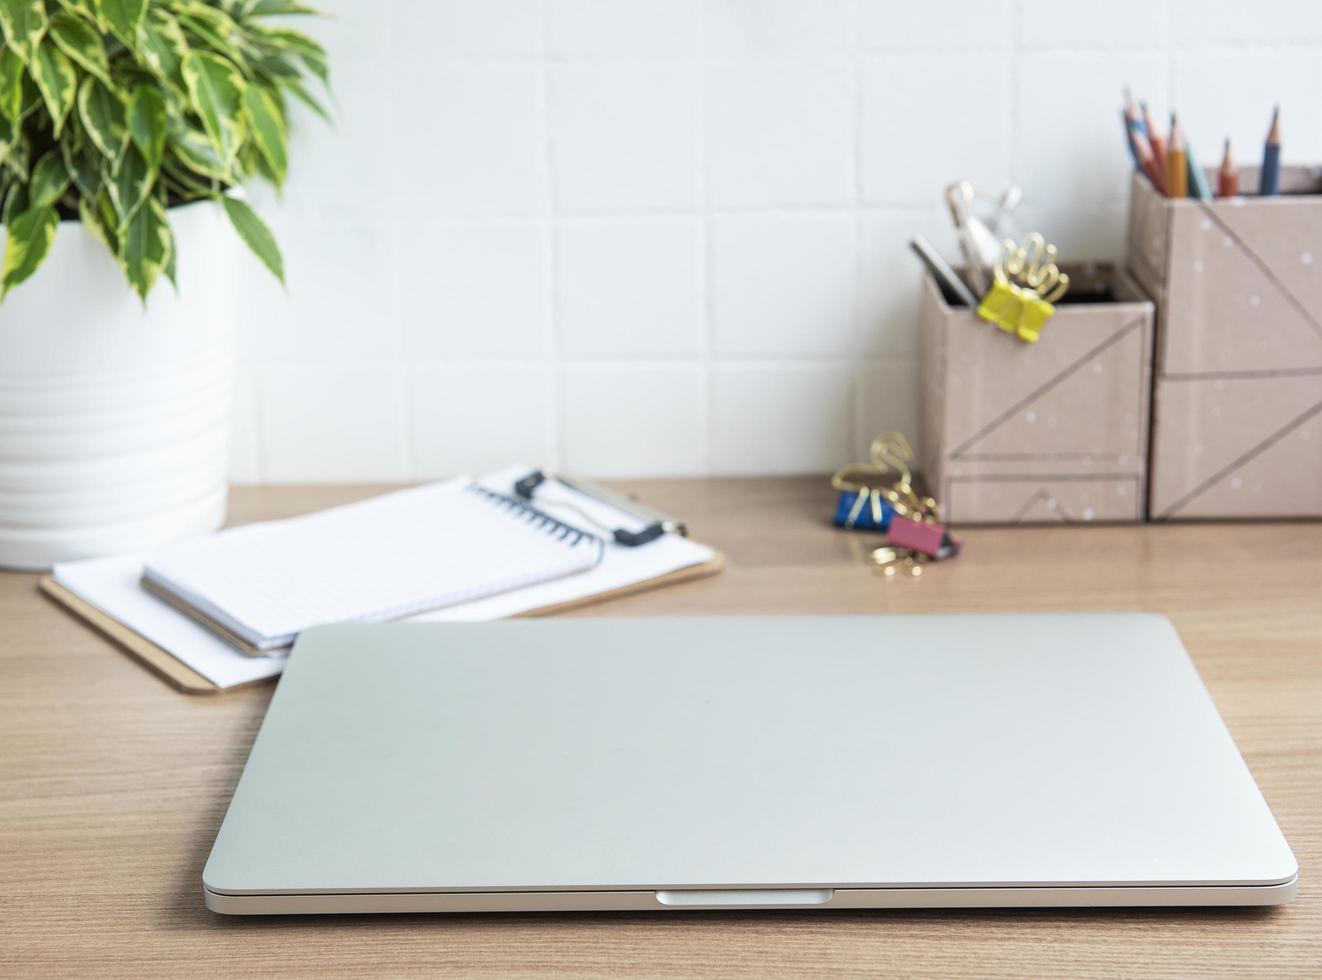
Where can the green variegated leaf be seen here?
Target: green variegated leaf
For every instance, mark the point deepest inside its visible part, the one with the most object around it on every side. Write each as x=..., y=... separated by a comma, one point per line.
x=131, y=184
x=253, y=164
x=17, y=157
x=81, y=43
x=23, y=23
x=162, y=45
x=195, y=151
x=84, y=168
x=83, y=8
x=30, y=97
x=91, y=219
x=53, y=72
x=145, y=247
x=7, y=134
x=278, y=8
x=266, y=123
x=211, y=25
x=303, y=95
x=215, y=89
x=16, y=202
x=122, y=17
x=276, y=66
x=147, y=124
x=28, y=239
x=182, y=177
x=172, y=263
x=50, y=179
x=255, y=233
x=102, y=115
x=11, y=84
x=202, y=35
x=286, y=39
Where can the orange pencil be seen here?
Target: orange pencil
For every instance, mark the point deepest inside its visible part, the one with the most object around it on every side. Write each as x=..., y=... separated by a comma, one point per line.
x=1227, y=180
x=1155, y=138
x=1177, y=163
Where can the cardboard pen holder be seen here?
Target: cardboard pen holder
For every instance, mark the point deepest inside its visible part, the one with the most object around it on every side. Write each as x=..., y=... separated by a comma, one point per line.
x=1237, y=412
x=1044, y=433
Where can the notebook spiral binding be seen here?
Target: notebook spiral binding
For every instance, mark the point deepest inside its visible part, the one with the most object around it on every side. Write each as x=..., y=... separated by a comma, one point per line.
x=559, y=529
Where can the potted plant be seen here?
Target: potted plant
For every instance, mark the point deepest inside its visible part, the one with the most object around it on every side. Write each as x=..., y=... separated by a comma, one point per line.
x=125, y=125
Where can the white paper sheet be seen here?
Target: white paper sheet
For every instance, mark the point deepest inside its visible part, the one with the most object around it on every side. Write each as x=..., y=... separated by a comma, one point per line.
x=112, y=585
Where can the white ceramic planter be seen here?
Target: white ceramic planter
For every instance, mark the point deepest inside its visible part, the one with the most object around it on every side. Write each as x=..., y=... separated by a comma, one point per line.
x=114, y=420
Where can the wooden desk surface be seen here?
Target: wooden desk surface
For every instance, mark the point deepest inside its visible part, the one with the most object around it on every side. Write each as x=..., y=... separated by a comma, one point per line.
x=112, y=785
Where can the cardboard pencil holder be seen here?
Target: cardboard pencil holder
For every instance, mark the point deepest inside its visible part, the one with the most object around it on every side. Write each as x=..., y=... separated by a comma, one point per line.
x=1045, y=433
x=1237, y=412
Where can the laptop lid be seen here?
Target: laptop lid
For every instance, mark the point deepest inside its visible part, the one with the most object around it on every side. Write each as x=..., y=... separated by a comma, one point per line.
x=771, y=754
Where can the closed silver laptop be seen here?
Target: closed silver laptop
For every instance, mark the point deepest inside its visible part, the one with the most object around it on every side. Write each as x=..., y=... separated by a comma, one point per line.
x=793, y=762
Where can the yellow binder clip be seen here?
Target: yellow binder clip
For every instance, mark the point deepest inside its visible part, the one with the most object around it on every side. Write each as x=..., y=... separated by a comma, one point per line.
x=1025, y=286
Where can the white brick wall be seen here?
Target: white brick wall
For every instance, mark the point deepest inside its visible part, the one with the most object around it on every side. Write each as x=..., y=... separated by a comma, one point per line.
x=667, y=237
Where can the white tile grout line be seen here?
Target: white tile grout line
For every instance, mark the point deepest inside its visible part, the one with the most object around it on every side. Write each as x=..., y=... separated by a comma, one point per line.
x=858, y=328
x=554, y=434
x=707, y=281
x=757, y=360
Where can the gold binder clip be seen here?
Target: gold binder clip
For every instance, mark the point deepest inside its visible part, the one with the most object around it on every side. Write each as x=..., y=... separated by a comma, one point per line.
x=1026, y=285
x=861, y=479
x=1004, y=300
x=893, y=451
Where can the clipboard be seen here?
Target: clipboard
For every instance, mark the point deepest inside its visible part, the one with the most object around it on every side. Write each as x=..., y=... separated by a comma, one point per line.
x=184, y=678
x=159, y=661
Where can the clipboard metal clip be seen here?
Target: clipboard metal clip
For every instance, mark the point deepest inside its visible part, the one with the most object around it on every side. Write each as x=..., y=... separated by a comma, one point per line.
x=656, y=524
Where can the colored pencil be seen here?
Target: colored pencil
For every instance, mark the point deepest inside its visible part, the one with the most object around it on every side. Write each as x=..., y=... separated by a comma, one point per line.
x=1129, y=140
x=1133, y=125
x=1148, y=161
x=1227, y=179
x=1155, y=138
x=1133, y=118
x=1198, y=186
x=1270, y=182
x=1177, y=163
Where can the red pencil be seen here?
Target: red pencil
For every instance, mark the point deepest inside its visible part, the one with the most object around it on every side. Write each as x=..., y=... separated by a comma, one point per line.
x=1156, y=139
x=1227, y=180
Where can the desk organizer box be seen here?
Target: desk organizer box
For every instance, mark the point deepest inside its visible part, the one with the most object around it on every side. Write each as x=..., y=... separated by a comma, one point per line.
x=1237, y=413
x=1046, y=433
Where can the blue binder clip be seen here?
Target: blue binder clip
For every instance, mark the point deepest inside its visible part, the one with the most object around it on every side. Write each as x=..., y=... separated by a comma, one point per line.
x=867, y=501
x=862, y=510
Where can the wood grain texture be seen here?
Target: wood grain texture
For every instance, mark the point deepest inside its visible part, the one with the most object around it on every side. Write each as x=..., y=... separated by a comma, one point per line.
x=112, y=785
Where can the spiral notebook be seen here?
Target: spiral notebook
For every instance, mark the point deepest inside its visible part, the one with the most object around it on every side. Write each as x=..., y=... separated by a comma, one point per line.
x=258, y=586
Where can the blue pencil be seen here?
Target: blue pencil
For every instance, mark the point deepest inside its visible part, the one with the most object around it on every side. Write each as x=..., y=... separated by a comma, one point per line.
x=1132, y=116
x=1198, y=186
x=1269, y=184
x=1129, y=141
x=1133, y=126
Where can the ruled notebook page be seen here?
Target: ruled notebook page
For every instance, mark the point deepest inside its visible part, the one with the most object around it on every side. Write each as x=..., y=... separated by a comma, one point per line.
x=395, y=555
